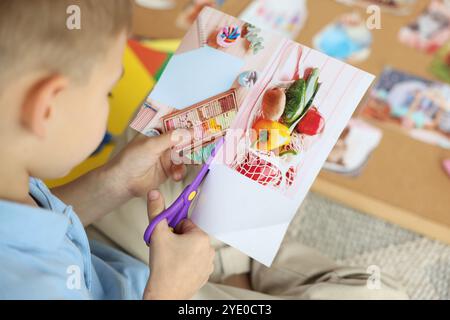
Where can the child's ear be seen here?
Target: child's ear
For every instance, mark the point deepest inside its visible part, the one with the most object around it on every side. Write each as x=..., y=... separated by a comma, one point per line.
x=37, y=105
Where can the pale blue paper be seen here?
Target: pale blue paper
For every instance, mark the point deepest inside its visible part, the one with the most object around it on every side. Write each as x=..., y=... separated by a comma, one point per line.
x=195, y=76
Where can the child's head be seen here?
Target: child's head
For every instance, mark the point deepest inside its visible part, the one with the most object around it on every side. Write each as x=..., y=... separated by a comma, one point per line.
x=54, y=81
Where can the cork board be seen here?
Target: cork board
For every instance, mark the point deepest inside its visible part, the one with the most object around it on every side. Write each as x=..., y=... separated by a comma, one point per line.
x=403, y=181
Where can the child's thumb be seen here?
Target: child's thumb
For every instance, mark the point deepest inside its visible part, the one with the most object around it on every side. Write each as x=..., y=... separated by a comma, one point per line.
x=171, y=139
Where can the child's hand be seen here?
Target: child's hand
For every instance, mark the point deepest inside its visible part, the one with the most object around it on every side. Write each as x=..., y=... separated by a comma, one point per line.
x=141, y=166
x=146, y=162
x=180, y=262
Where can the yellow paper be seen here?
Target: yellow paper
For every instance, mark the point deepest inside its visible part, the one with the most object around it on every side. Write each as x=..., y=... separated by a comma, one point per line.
x=164, y=45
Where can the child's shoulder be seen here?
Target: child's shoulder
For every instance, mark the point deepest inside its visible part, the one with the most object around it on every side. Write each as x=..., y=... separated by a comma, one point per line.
x=34, y=252
x=33, y=229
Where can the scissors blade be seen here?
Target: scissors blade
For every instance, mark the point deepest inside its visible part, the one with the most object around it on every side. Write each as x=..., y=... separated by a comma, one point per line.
x=180, y=208
x=205, y=168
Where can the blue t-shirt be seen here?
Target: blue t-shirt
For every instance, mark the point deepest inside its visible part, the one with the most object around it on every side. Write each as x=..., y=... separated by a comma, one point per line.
x=45, y=254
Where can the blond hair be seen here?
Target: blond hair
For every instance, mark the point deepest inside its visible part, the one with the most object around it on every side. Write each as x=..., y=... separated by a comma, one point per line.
x=34, y=35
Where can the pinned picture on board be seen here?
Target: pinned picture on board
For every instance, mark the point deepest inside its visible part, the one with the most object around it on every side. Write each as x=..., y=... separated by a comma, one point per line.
x=430, y=30
x=353, y=148
x=191, y=11
x=156, y=4
x=347, y=39
x=417, y=106
x=440, y=66
x=284, y=16
x=398, y=7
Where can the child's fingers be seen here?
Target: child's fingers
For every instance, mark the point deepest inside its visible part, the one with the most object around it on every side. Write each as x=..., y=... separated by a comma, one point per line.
x=155, y=204
x=163, y=142
x=186, y=226
x=178, y=171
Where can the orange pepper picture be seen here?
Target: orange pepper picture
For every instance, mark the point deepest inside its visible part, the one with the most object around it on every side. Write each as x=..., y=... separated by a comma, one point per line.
x=271, y=134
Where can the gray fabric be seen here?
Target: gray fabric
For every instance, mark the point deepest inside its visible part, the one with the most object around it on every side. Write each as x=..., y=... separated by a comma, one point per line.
x=352, y=238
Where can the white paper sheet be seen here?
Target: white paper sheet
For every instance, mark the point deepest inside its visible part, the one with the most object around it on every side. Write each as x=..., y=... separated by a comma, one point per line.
x=254, y=218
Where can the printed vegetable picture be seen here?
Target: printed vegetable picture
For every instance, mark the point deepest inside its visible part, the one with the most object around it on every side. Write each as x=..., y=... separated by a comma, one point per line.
x=285, y=119
x=281, y=107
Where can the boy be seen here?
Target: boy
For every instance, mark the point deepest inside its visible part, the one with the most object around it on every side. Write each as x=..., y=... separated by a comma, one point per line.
x=54, y=84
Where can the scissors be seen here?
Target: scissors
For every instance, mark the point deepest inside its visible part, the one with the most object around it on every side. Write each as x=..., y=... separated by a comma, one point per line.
x=180, y=208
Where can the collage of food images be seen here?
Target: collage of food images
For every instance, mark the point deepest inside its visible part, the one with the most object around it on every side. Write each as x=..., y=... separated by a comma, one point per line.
x=281, y=96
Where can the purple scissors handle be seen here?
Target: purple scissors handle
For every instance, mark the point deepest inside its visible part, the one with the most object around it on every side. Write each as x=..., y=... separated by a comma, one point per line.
x=180, y=208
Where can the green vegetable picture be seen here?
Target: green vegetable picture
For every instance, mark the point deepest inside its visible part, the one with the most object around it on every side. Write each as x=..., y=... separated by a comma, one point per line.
x=305, y=110
x=311, y=85
x=299, y=98
x=295, y=101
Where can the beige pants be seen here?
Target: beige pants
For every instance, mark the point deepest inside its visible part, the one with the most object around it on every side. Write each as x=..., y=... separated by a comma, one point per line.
x=298, y=272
